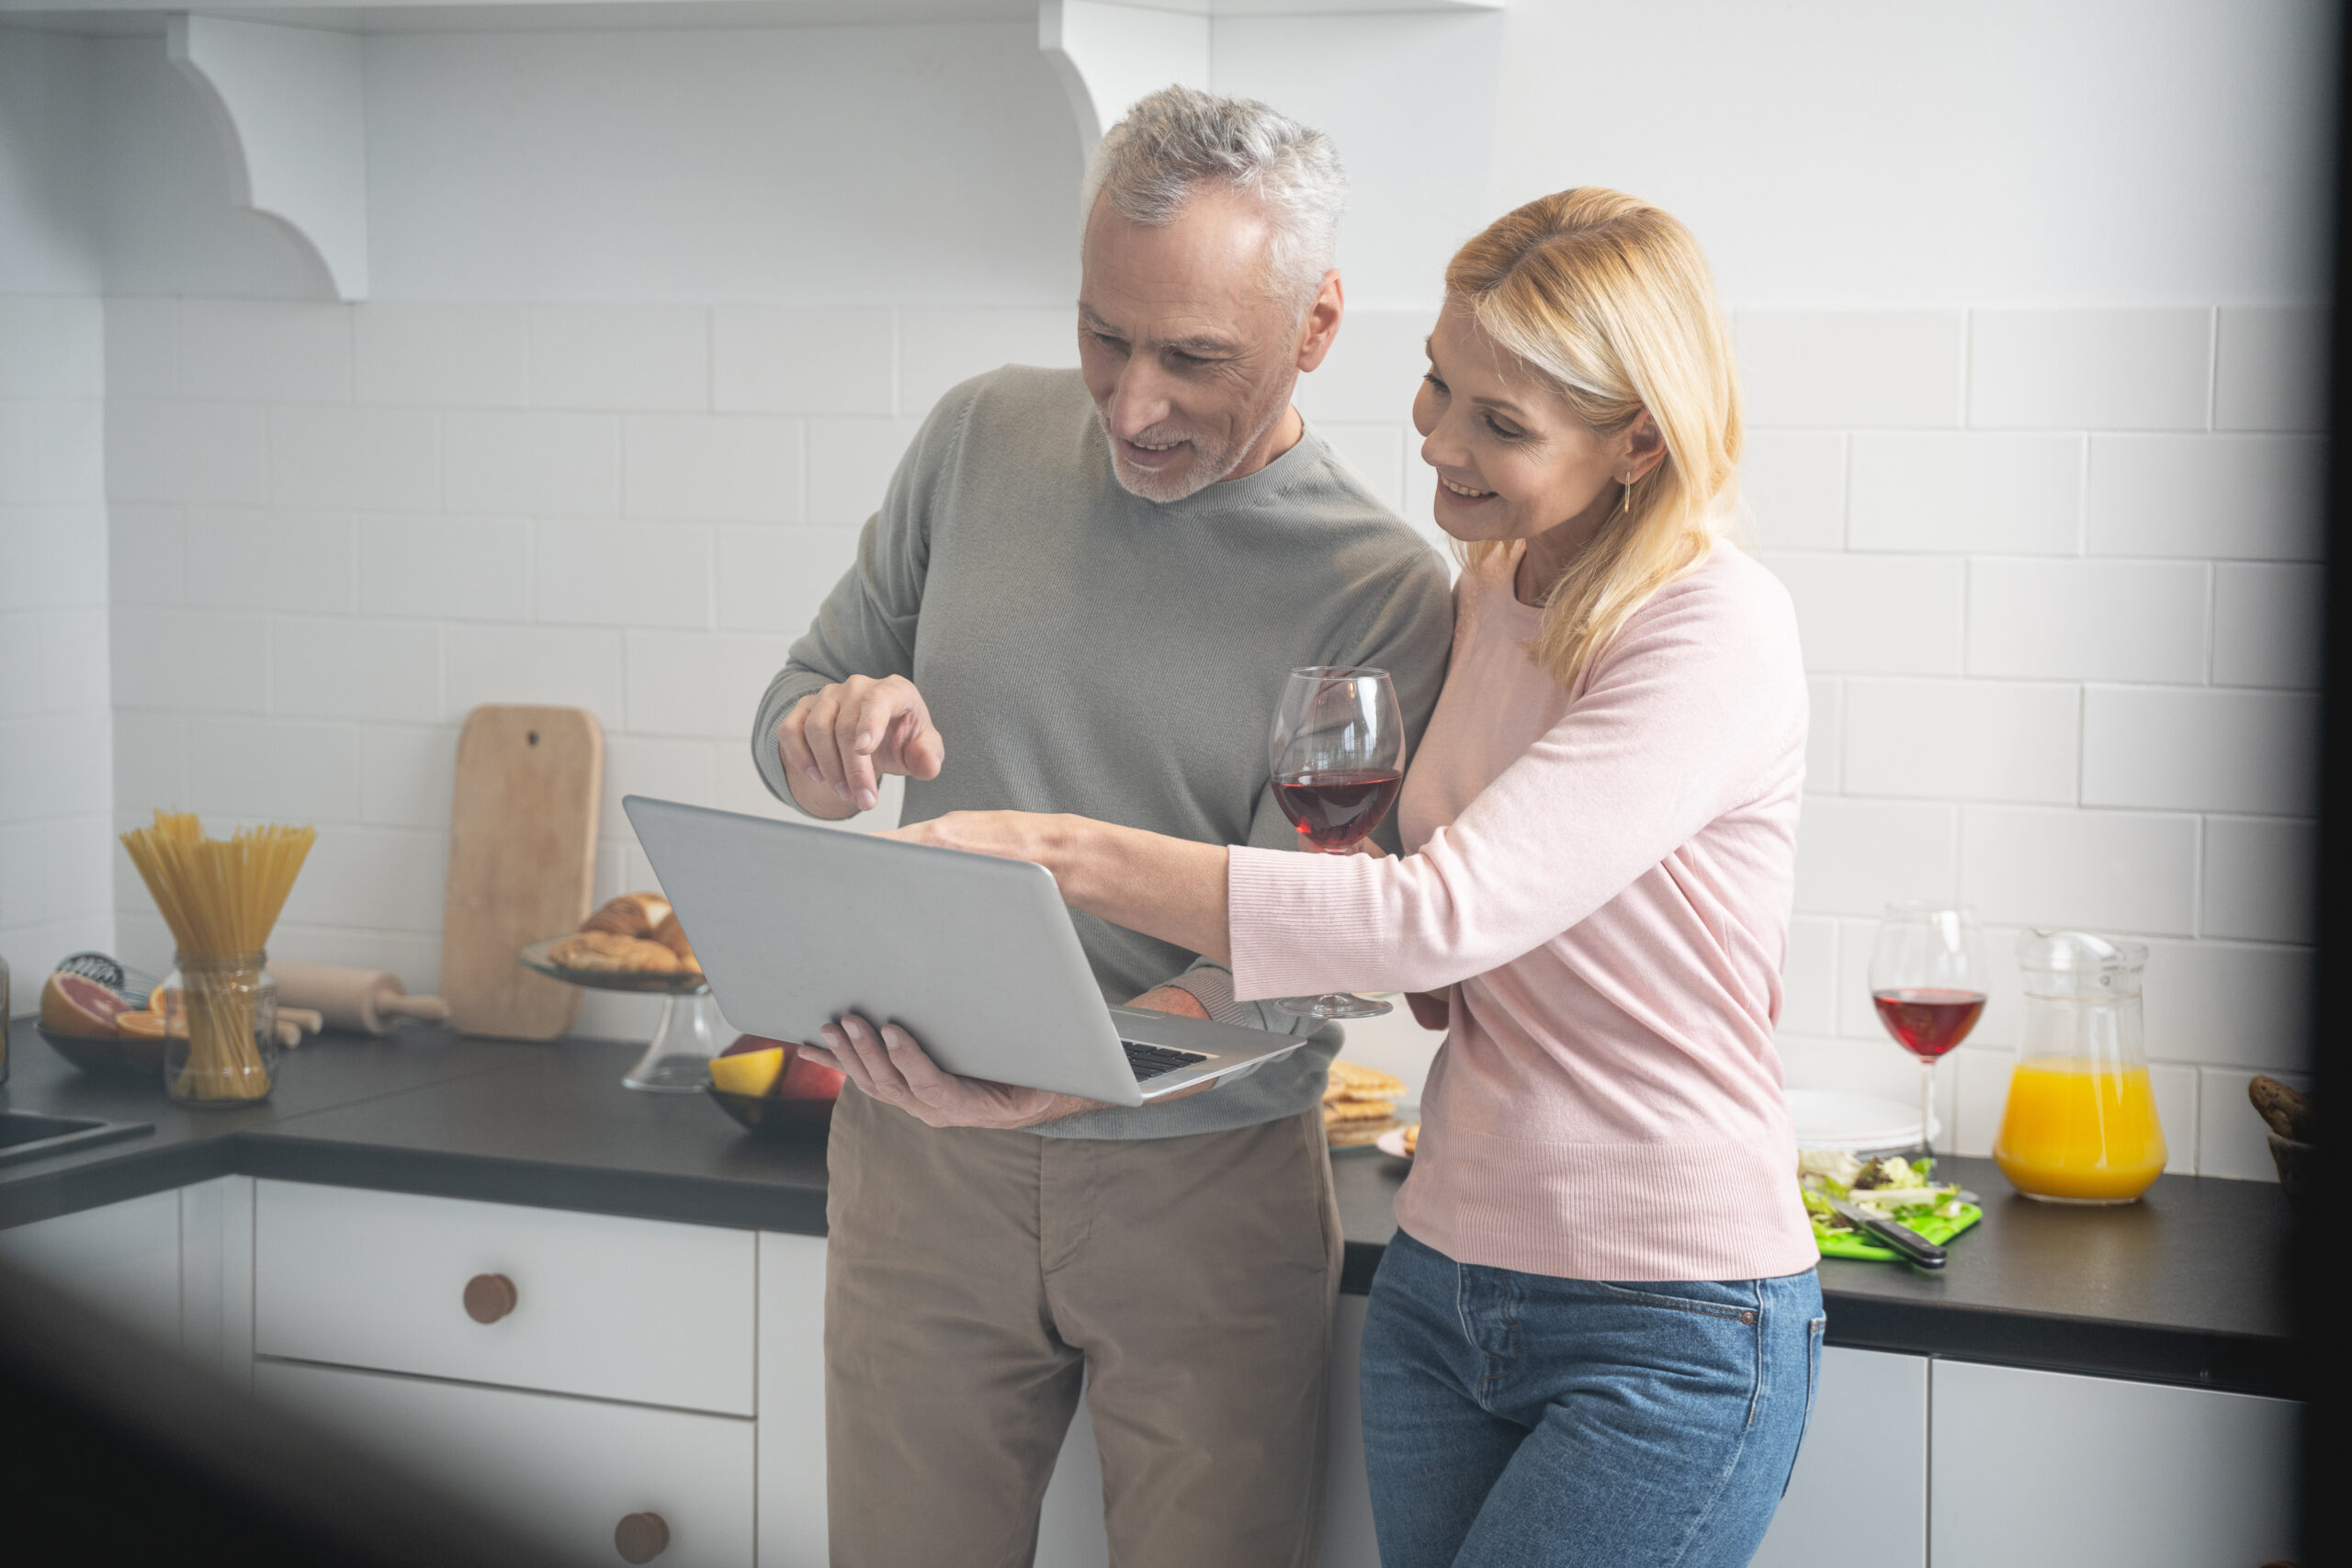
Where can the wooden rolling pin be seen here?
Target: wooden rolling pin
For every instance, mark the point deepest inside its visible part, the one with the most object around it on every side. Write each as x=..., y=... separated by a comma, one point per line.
x=368, y=1001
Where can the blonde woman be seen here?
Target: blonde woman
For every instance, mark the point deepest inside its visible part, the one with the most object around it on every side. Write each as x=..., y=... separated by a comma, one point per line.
x=1595, y=1337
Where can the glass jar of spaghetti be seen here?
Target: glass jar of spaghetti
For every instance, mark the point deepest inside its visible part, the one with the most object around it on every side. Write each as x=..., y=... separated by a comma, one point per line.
x=220, y=1031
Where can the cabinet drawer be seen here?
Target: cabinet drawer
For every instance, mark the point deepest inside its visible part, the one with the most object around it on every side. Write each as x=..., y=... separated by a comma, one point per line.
x=639, y=1310
x=564, y=1471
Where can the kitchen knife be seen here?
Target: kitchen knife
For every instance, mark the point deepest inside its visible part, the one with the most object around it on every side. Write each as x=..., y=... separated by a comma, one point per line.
x=1907, y=1243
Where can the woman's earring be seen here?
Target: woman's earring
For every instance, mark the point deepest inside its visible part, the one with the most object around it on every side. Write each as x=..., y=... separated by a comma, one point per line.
x=1628, y=502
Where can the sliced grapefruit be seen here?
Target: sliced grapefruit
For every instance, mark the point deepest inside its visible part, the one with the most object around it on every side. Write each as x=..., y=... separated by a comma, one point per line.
x=78, y=1007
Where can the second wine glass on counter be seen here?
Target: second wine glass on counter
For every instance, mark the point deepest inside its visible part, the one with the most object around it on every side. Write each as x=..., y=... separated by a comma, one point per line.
x=1337, y=760
x=1928, y=982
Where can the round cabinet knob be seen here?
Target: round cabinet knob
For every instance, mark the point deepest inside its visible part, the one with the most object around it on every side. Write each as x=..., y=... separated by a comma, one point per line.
x=640, y=1538
x=489, y=1297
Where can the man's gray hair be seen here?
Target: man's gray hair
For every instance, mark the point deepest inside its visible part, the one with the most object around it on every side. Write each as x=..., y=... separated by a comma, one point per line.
x=1180, y=138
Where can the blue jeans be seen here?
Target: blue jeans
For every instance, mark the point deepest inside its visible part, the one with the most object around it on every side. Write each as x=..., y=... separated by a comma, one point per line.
x=1514, y=1418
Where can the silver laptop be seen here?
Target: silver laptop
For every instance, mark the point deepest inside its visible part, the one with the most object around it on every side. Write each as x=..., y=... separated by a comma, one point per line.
x=973, y=955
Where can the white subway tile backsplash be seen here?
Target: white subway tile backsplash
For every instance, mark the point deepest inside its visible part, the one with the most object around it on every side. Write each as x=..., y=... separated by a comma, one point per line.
x=21, y=677
x=571, y=666
x=2174, y=1092
x=442, y=355
x=151, y=767
x=2231, y=1138
x=2100, y=869
x=2097, y=369
x=2261, y=877
x=1375, y=454
x=142, y=347
x=1876, y=614
x=1962, y=739
x=558, y=464
x=73, y=660
x=70, y=450
x=222, y=452
x=776, y=359
x=1794, y=482
x=1825, y=734
x=382, y=458
x=240, y=558
x=413, y=956
x=142, y=450
x=2271, y=367
x=1961, y=494
x=2269, y=625
x=356, y=669
x=1867, y=369
x=668, y=770
x=2225, y=497
x=52, y=345
x=1809, y=979
x=406, y=774
x=24, y=883
x=2202, y=750
x=2088, y=620
x=76, y=856
x=851, y=462
x=620, y=357
x=292, y=772
x=373, y=878
x=624, y=574
x=147, y=554
x=773, y=579
x=55, y=764
x=711, y=466
x=467, y=568
x=212, y=660
x=939, y=349
x=53, y=556
x=1854, y=857
x=255, y=351
x=1374, y=369
x=1981, y=1093
x=2229, y=1002
x=704, y=687
x=21, y=452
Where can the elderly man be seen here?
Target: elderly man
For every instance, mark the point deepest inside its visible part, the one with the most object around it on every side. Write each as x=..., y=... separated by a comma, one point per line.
x=1082, y=593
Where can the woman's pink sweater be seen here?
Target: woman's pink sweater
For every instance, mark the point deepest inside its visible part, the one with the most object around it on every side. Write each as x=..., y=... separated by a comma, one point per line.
x=1603, y=877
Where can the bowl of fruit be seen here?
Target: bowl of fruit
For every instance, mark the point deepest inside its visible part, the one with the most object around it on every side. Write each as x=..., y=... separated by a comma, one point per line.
x=774, y=1091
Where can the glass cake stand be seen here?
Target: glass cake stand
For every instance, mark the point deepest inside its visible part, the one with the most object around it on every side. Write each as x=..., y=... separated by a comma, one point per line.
x=677, y=1059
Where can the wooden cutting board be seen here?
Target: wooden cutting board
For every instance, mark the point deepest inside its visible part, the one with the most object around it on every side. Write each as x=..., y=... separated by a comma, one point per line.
x=522, y=864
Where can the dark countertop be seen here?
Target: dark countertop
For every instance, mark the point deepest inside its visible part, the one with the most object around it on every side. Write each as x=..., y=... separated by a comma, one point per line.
x=2187, y=1286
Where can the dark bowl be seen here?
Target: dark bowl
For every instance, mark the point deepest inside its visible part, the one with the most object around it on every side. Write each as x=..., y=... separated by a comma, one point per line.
x=112, y=1056
x=2295, y=1162
x=780, y=1121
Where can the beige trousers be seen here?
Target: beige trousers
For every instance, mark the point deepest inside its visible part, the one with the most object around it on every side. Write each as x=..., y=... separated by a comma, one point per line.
x=975, y=1280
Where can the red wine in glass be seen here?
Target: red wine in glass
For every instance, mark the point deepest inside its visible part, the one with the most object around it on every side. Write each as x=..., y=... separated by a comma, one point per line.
x=1928, y=1020
x=1336, y=809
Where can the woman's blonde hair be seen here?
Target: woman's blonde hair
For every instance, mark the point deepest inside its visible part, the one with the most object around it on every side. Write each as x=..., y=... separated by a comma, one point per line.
x=1610, y=300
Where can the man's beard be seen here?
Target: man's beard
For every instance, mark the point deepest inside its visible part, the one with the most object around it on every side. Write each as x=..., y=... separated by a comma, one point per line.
x=1209, y=465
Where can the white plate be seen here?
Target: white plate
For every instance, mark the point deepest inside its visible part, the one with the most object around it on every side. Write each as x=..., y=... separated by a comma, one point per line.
x=1392, y=1142
x=1828, y=1119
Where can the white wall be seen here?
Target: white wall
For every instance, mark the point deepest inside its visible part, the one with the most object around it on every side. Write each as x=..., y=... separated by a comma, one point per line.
x=55, y=811
x=655, y=310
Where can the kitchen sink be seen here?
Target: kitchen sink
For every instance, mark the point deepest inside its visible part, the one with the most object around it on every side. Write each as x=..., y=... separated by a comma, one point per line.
x=28, y=1134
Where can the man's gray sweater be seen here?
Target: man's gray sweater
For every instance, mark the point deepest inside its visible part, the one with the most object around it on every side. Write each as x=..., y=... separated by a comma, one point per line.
x=1082, y=650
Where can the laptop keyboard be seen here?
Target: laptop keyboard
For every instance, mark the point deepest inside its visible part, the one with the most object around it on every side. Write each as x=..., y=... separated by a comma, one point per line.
x=1151, y=1060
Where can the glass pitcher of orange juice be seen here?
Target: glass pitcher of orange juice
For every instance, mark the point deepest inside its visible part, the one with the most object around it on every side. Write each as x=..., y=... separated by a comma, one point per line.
x=2081, y=1122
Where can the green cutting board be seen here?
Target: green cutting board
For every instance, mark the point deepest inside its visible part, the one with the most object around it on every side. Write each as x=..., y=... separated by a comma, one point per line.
x=1935, y=1228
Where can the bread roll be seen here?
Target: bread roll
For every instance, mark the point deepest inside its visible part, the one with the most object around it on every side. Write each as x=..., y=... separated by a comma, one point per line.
x=612, y=953
x=673, y=935
x=631, y=914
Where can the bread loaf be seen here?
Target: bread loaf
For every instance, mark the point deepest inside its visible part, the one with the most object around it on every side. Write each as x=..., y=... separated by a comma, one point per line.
x=613, y=953
x=631, y=914
x=673, y=935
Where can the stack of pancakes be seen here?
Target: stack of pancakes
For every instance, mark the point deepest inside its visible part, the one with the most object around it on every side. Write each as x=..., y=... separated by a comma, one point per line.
x=1358, y=1104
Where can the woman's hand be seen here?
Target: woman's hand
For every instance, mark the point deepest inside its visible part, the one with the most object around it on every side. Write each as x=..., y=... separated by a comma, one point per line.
x=888, y=1065
x=1007, y=835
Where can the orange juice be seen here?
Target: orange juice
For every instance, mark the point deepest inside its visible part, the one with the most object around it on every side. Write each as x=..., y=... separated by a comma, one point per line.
x=2080, y=1130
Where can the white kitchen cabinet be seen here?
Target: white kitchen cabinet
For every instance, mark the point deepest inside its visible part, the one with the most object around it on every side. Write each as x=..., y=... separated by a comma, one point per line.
x=640, y=1310
x=2042, y=1470
x=122, y=1259
x=1858, y=1496
x=792, y=1401
x=564, y=1471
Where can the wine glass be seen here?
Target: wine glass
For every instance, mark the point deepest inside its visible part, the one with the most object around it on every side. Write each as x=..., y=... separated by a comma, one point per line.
x=1338, y=758
x=1928, y=982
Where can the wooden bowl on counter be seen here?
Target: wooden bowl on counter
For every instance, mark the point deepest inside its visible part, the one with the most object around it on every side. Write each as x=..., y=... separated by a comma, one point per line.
x=775, y=1119
x=110, y=1054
